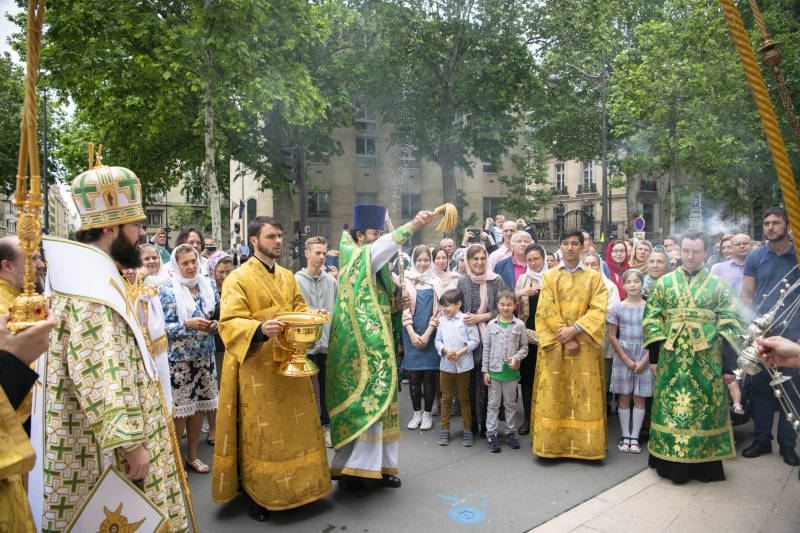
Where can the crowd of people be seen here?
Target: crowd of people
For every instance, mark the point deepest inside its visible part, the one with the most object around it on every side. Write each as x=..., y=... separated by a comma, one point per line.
x=183, y=340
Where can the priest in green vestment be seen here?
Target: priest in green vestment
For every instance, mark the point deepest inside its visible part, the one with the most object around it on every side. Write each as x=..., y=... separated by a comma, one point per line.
x=691, y=331
x=362, y=368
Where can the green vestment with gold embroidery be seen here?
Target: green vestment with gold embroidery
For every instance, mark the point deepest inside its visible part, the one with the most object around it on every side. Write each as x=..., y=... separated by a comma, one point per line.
x=691, y=317
x=362, y=367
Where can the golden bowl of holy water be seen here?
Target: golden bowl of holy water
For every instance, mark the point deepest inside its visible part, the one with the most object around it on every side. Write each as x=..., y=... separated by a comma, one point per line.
x=300, y=333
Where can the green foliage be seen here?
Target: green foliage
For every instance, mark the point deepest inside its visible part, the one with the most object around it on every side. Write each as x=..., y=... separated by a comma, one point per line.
x=524, y=198
x=464, y=223
x=684, y=106
x=170, y=87
x=12, y=94
x=452, y=77
x=185, y=215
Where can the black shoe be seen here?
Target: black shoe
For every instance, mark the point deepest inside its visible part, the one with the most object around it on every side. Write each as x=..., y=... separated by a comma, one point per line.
x=256, y=512
x=757, y=448
x=494, y=444
x=524, y=431
x=353, y=486
x=789, y=455
x=387, y=480
x=512, y=441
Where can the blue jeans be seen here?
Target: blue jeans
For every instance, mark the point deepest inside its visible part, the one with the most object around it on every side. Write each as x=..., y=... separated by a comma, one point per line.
x=765, y=403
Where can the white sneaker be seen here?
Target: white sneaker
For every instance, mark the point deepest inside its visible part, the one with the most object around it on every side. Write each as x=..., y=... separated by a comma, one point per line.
x=414, y=424
x=326, y=435
x=427, y=421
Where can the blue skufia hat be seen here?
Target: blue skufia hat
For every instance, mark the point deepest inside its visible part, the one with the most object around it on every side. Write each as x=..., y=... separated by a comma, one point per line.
x=368, y=216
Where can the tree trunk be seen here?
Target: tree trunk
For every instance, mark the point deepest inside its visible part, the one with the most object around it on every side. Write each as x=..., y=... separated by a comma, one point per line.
x=672, y=201
x=283, y=210
x=449, y=191
x=211, y=169
x=630, y=203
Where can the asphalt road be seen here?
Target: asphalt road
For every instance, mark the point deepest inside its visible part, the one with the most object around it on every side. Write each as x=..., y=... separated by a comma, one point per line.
x=445, y=489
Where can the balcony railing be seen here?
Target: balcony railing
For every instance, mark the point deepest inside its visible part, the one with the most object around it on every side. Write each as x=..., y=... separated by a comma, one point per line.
x=560, y=191
x=647, y=185
x=587, y=188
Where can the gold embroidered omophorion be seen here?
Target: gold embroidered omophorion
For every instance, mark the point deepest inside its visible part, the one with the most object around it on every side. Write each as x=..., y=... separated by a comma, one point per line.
x=569, y=403
x=269, y=436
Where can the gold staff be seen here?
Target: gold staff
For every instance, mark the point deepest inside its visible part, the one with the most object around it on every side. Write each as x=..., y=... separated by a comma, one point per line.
x=139, y=290
x=29, y=307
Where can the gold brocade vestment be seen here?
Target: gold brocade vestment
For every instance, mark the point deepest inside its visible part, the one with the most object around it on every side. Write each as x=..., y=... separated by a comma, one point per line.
x=569, y=403
x=269, y=436
x=15, y=514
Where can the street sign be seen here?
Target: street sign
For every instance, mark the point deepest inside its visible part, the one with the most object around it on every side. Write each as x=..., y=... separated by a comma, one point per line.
x=233, y=234
x=638, y=236
x=696, y=202
x=638, y=224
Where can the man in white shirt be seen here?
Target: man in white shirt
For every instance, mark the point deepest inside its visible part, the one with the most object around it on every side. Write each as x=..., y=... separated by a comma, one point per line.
x=509, y=229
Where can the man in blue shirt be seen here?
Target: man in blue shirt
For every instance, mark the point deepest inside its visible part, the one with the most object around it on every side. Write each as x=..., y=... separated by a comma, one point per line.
x=763, y=271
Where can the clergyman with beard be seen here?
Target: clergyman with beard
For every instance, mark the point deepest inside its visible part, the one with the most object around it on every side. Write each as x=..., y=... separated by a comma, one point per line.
x=12, y=271
x=101, y=382
x=269, y=436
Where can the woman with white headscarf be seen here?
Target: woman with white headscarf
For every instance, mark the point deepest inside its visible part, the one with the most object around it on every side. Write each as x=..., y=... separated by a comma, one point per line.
x=527, y=289
x=595, y=263
x=188, y=302
x=420, y=321
x=152, y=266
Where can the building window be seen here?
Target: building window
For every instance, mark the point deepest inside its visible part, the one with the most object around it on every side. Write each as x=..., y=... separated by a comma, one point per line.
x=491, y=206
x=250, y=208
x=489, y=168
x=588, y=176
x=370, y=198
x=365, y=116
x=155, y=218
x=561, y=177
x=410, y=205
x=157, y=198
x=365, y=152
x=319, y=214
x=408, y=157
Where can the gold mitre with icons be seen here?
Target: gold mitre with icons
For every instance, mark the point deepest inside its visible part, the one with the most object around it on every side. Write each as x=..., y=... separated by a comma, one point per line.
x=107, y=196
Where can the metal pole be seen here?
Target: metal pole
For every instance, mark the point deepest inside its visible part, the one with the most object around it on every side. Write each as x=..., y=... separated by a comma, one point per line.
x=45, y=185
x=301, y=176
x=605, y=215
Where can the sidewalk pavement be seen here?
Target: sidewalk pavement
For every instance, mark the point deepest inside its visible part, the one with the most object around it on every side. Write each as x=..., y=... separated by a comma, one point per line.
x=760, y=495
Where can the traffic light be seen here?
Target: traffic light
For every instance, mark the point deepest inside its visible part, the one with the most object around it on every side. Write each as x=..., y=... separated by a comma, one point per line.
x=292, y=164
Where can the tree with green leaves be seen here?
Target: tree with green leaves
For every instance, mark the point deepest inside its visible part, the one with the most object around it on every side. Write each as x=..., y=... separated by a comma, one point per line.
x=453, y=77
x=686, y=110
x=525, y=194
x=12, y=94
x=171, y=86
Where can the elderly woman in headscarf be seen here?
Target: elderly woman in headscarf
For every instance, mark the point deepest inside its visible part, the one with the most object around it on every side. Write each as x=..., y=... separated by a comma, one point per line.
x=188, y=301
x=460, y=259
x=657, y=266
x=594, y=262
x=420, y=321
x=479, y=288
x=641, y=251
x=152, y=267
x=220, y=265
x=527, y=289
x=617, y=261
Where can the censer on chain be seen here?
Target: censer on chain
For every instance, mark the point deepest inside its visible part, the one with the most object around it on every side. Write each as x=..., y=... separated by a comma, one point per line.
x=751, y=363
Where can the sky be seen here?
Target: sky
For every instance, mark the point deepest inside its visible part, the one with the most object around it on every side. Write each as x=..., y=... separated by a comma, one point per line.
x=7, y=27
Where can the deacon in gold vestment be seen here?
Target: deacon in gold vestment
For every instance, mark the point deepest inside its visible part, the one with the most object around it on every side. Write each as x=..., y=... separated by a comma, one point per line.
x=12, y=272
x=16, y=454
x=569, y=402
x=269, y=436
